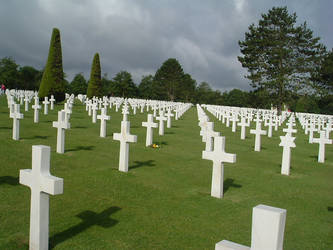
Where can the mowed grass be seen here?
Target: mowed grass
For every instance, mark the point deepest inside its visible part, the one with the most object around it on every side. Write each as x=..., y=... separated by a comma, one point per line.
x=164, y=201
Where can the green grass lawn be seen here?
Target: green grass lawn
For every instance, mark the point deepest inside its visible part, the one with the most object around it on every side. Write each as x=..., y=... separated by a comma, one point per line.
x=164, y=201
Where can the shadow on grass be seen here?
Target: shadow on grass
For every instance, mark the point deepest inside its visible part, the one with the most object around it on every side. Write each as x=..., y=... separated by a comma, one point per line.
x=80, y=127
x=36, y=137
x=5, y=127
x=79, y=148
x=229, y=183
x=280, y=166
x=10, y=180
x=164, y=143
x=89, y=219
x=314, y=157
x=330, y=209
x=169, y=133
x=138, y=164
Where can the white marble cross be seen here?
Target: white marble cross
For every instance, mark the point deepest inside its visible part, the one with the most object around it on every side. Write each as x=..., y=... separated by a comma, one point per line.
x=203, y=125
x=150, y=124
x=41, y=184
x=117, y=106
x=312, y=128
x=243, y=124
x=287, y=142
x=46, y=103
x=328, y=129
x=124, y=137
x=270, y=125
x=258, y=132
x=290, y=130
x=52, y=100
x=218, y=156
x=161, y=118
x=322, y=140
x=169, y=115
x=16, y=115
x=94, y=112
x=89, y=107
x=26, y=103
x=234, y=120
x=134, y=108
x=125, y=112
x=61, y=125
x=103, y=117
x=68, y=110
x=36, y=108
x=105, y=104
x=268, y=225
x=209, y=135
x=154, y=110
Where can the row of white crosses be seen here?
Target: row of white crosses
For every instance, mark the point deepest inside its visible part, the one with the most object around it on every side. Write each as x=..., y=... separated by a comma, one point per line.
x=26, y=96
x=286, y=141
x=227, y=114
x=42, y=183
x=317, y=123
x=268, y=223
x=309, y=122
x=17, y=116
x=216, y=154
x=92, y=107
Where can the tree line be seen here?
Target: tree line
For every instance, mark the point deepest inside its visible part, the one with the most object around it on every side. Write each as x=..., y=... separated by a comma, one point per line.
x=286, y=65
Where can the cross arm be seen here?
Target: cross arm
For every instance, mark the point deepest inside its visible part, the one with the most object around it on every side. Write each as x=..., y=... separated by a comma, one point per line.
x=117, y=136
x=132, y=138
x=228, y=245
x=26, y=177
x=52, y=185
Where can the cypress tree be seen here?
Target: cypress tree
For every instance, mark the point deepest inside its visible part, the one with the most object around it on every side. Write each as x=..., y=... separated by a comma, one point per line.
x=53, y=77
x=95, y=82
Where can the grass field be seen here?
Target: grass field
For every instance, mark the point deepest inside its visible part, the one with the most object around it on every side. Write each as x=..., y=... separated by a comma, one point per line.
x=164, y=201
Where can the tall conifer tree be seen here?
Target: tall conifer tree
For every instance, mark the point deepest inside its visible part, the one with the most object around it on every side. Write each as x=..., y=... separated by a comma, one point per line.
x=95, y=82
x=53, y=77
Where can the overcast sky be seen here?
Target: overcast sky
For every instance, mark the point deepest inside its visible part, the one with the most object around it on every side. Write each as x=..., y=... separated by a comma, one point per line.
x=139, y=35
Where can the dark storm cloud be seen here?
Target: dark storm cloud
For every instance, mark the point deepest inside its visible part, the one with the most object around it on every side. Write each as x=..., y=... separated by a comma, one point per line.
x=138, y=36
